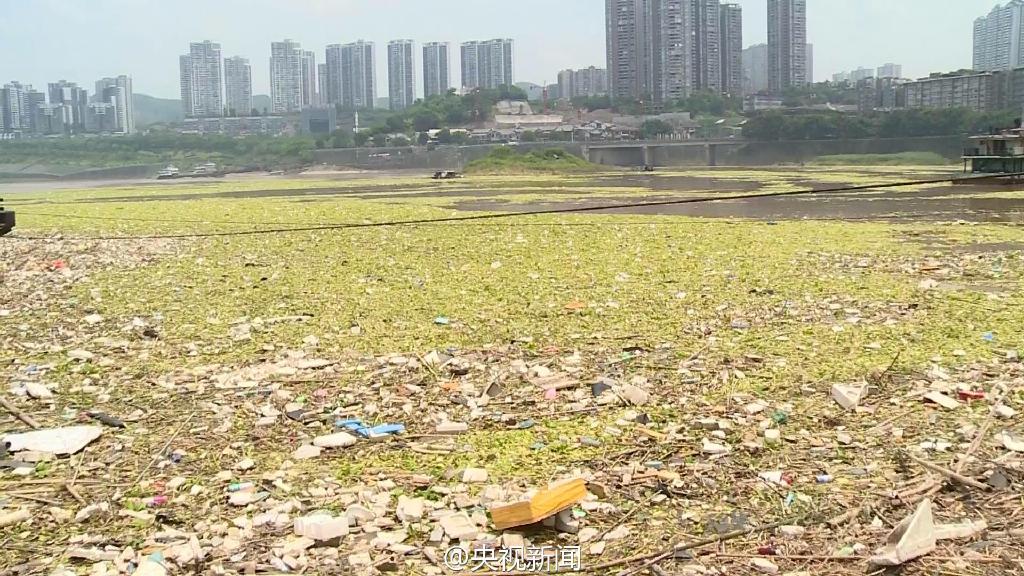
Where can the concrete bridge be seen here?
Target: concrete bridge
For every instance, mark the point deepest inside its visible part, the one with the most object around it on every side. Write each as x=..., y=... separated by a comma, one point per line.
x=661, y=152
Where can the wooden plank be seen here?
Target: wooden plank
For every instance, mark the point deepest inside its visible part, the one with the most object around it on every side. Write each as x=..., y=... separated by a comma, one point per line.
x=544, y=504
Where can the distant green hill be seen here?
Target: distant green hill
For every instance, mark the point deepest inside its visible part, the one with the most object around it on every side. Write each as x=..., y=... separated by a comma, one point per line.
x=150, y=110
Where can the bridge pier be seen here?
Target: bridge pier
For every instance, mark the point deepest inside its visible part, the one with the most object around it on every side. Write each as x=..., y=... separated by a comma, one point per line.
x=647, y=155
x=712, y=154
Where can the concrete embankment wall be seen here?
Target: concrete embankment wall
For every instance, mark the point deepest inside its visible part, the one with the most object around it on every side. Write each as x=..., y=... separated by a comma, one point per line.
x=56, y=172
x=743, y=153
x=765, y=153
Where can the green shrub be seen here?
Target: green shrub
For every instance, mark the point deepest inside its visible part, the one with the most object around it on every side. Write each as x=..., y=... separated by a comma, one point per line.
x=900, y=159
x=507, y=160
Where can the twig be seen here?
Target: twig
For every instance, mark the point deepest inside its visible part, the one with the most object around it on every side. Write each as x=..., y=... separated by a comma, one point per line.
x=891, y=364
x=844, y=517
x=949, y=474
x=980, y=437
x=19, y=414
x=167, y=444
x=74, y=494
x=889, y=421
x=35, y=499
x=52, y=481
x=825, y=558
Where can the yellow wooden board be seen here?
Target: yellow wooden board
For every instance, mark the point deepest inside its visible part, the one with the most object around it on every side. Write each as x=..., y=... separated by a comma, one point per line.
x=541, y=506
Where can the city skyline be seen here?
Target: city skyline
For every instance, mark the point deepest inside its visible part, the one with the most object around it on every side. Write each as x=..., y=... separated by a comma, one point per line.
x=833, y=26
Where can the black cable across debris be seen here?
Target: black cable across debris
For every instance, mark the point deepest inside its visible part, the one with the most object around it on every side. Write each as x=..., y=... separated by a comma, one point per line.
x=552, y=211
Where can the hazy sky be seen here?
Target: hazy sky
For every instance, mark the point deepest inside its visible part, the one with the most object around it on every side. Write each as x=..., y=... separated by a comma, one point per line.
x=82, y=40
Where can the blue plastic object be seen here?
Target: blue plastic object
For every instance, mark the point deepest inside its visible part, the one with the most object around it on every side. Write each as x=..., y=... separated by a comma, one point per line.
x=365, y=431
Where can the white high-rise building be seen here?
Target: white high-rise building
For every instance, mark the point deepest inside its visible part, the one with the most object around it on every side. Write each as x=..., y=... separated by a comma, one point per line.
x=358, y=75
x=238, y=86
x=487, y=64
x=436, y=65
x=286, y=76
x=201, y=81
x=118, y=93
x=401, y=74
x=787, y=44
x=309, y=83
x=890, y=70
x=14, y=114
x=999, y=38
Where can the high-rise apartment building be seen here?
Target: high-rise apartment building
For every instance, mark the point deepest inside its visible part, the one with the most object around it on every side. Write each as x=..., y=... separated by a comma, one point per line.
x=117, y=92
x=661, y=50
x=707, y=46
x=999, y=38
x=590, y=81
x=470, y=58
x=285, y=76
x=201, y=81
x=487, y=64
x=36, y=102
x=401, y=74
x=238, y=86
x=309, y=83
x=436, y=65
x=628, y=42
x=731, y=35
x=72, y=101
x=330, y=77
x=358, y=75
x=755, y=69
x=787, y=44
x=15, y=117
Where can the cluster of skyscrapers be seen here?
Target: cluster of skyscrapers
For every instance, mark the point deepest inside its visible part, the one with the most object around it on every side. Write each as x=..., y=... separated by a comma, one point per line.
x=65, y=108
x=212, y=87
x=662, y=50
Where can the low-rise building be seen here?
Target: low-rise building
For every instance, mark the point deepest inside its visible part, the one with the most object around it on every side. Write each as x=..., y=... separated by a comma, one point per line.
x=758, y=102
x=264, y=125
x=318, y=121
x=976, y=92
